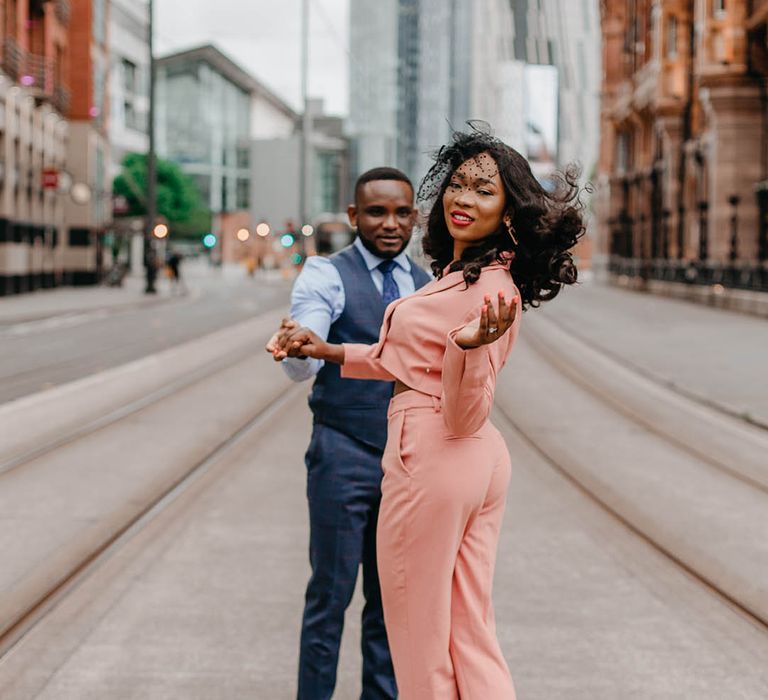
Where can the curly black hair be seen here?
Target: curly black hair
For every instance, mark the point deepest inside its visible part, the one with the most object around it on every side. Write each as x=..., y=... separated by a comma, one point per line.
x=547, y=225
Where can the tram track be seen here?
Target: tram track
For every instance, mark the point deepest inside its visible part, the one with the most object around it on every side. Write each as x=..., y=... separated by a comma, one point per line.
x=757, y=479
x=125, y=410
x=675, y=533
x=26, y=617
x=748, y=612
x=73, y=506
x=36, y=610
x=136, y=386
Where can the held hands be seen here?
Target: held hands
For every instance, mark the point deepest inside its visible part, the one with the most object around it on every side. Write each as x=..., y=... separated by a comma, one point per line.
x=491, y=324
x=291, y=340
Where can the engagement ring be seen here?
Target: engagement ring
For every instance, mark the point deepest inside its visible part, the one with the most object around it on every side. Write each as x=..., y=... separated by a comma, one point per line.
x=493, y=330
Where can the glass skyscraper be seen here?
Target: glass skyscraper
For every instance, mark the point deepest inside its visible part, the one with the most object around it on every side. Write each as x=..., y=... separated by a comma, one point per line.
x=204, y=122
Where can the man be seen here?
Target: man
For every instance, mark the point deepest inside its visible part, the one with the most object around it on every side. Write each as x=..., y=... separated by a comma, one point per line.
x=342, y=299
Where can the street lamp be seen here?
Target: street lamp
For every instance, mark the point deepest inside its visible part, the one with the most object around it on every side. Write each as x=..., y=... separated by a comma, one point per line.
x=160, y=231
x=243, y=235
x=262, y=229
x=149, y=247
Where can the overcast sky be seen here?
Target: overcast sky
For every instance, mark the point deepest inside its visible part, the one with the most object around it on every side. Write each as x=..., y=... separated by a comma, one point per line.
x=263, y=36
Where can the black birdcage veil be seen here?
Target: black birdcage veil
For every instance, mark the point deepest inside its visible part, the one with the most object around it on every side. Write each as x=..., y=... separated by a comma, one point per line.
x=465, y=147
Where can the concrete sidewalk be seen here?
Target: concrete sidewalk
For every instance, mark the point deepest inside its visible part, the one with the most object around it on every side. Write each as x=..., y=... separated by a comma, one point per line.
x=198, y=276
x=47, y=303
x=716, y=357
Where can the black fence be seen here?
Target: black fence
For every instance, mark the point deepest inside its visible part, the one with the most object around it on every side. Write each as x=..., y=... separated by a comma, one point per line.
x=750, y=276
x=641, y=247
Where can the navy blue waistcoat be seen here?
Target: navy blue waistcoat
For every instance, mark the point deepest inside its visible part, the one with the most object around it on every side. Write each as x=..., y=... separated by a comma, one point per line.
x=357, y=407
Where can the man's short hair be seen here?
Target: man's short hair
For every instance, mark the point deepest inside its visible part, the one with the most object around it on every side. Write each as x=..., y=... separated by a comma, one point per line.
x=384, y=173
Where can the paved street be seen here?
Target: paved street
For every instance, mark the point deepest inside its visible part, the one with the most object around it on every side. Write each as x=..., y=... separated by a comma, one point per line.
x=716, y=356
x=54, y=337
x=205, y=601
x=155, y=528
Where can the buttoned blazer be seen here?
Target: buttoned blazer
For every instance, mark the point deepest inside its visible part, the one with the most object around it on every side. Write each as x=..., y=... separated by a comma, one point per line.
x=416, y=345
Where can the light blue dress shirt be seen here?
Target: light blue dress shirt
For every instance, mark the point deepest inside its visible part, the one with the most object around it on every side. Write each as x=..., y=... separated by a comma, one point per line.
x=317, y=299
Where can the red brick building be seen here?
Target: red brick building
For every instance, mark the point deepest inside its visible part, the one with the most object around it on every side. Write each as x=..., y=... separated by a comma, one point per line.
x=88, y=160
x=684, y=150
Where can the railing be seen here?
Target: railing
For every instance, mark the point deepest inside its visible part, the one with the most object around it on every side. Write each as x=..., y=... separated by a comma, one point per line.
x=639, y=250
x=734, y=275
x=35, y=72
x=61, y=98
x=13, y=59
x=63, y=11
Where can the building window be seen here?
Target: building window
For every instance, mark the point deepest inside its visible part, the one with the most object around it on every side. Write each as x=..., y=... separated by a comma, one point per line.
x=243, y=193
x=243, y=157
x=622, y=152
x=327, y=183
x=672, y=37
x=129, y=77
x=718, y=7
x=203, y=185
x=131, y=120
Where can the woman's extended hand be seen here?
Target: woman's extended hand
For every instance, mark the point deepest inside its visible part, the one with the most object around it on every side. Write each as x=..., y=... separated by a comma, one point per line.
x=491, y=324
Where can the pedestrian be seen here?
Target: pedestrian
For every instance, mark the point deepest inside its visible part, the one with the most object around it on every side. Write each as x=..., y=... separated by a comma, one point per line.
x=173, y=262
x=499, y=243
x=343, y=298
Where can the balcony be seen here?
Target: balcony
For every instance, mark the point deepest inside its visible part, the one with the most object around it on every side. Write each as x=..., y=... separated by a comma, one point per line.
x=63, y=11
x=36, y=73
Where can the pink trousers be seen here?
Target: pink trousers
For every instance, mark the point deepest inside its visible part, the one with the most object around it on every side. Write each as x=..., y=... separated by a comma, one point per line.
x=441, y=510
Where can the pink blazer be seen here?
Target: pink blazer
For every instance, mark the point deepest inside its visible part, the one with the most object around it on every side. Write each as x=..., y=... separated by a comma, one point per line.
x=416, y=345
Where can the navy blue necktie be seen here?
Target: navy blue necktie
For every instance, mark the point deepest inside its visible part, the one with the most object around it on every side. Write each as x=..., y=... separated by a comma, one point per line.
x=389, y=290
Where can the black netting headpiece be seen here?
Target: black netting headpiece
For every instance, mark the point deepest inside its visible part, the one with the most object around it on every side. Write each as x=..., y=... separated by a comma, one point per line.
x=464, y=146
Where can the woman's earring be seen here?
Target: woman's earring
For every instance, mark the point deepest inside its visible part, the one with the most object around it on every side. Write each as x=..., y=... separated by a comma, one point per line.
x=511, y=231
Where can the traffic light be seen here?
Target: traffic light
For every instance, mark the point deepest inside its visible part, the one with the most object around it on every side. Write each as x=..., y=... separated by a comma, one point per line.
x=297, y=258
x=209, y=240
x=287, y=240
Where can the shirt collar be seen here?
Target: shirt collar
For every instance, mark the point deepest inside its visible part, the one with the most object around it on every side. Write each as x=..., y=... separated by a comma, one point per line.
x=372, y=261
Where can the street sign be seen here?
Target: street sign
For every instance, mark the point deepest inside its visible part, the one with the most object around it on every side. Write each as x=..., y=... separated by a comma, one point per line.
x=120, y=205
x=50, y=178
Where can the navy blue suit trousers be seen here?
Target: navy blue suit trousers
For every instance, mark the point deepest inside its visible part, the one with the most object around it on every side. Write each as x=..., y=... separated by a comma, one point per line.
x=344, y=492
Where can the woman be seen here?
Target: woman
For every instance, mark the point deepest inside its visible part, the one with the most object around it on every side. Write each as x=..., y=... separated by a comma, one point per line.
x=446, y=467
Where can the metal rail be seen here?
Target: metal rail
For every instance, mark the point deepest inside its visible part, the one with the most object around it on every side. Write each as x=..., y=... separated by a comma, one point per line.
x=29, y=618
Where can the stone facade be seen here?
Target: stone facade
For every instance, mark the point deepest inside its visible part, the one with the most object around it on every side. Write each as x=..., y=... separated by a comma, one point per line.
x=34, y=98
x=683, y=140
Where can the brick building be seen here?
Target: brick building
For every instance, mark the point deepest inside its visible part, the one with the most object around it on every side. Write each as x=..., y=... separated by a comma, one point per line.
x=88, y=156
x=684, y=148
x=54, y=153
x=34, y=97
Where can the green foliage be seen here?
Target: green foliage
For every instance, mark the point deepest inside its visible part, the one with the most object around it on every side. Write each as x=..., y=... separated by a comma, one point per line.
x=178, y=199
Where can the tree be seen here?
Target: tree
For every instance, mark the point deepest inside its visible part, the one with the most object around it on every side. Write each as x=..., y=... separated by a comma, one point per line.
x=178, y=199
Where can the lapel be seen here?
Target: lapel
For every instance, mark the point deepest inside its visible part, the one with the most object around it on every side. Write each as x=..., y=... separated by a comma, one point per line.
x=452, y=279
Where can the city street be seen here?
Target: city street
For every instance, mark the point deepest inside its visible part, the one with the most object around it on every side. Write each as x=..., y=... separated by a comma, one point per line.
x=155, y=542
x=178, y=523
x=48, y=343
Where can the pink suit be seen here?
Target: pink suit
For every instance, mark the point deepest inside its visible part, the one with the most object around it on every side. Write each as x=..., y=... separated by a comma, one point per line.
x=446, y=472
